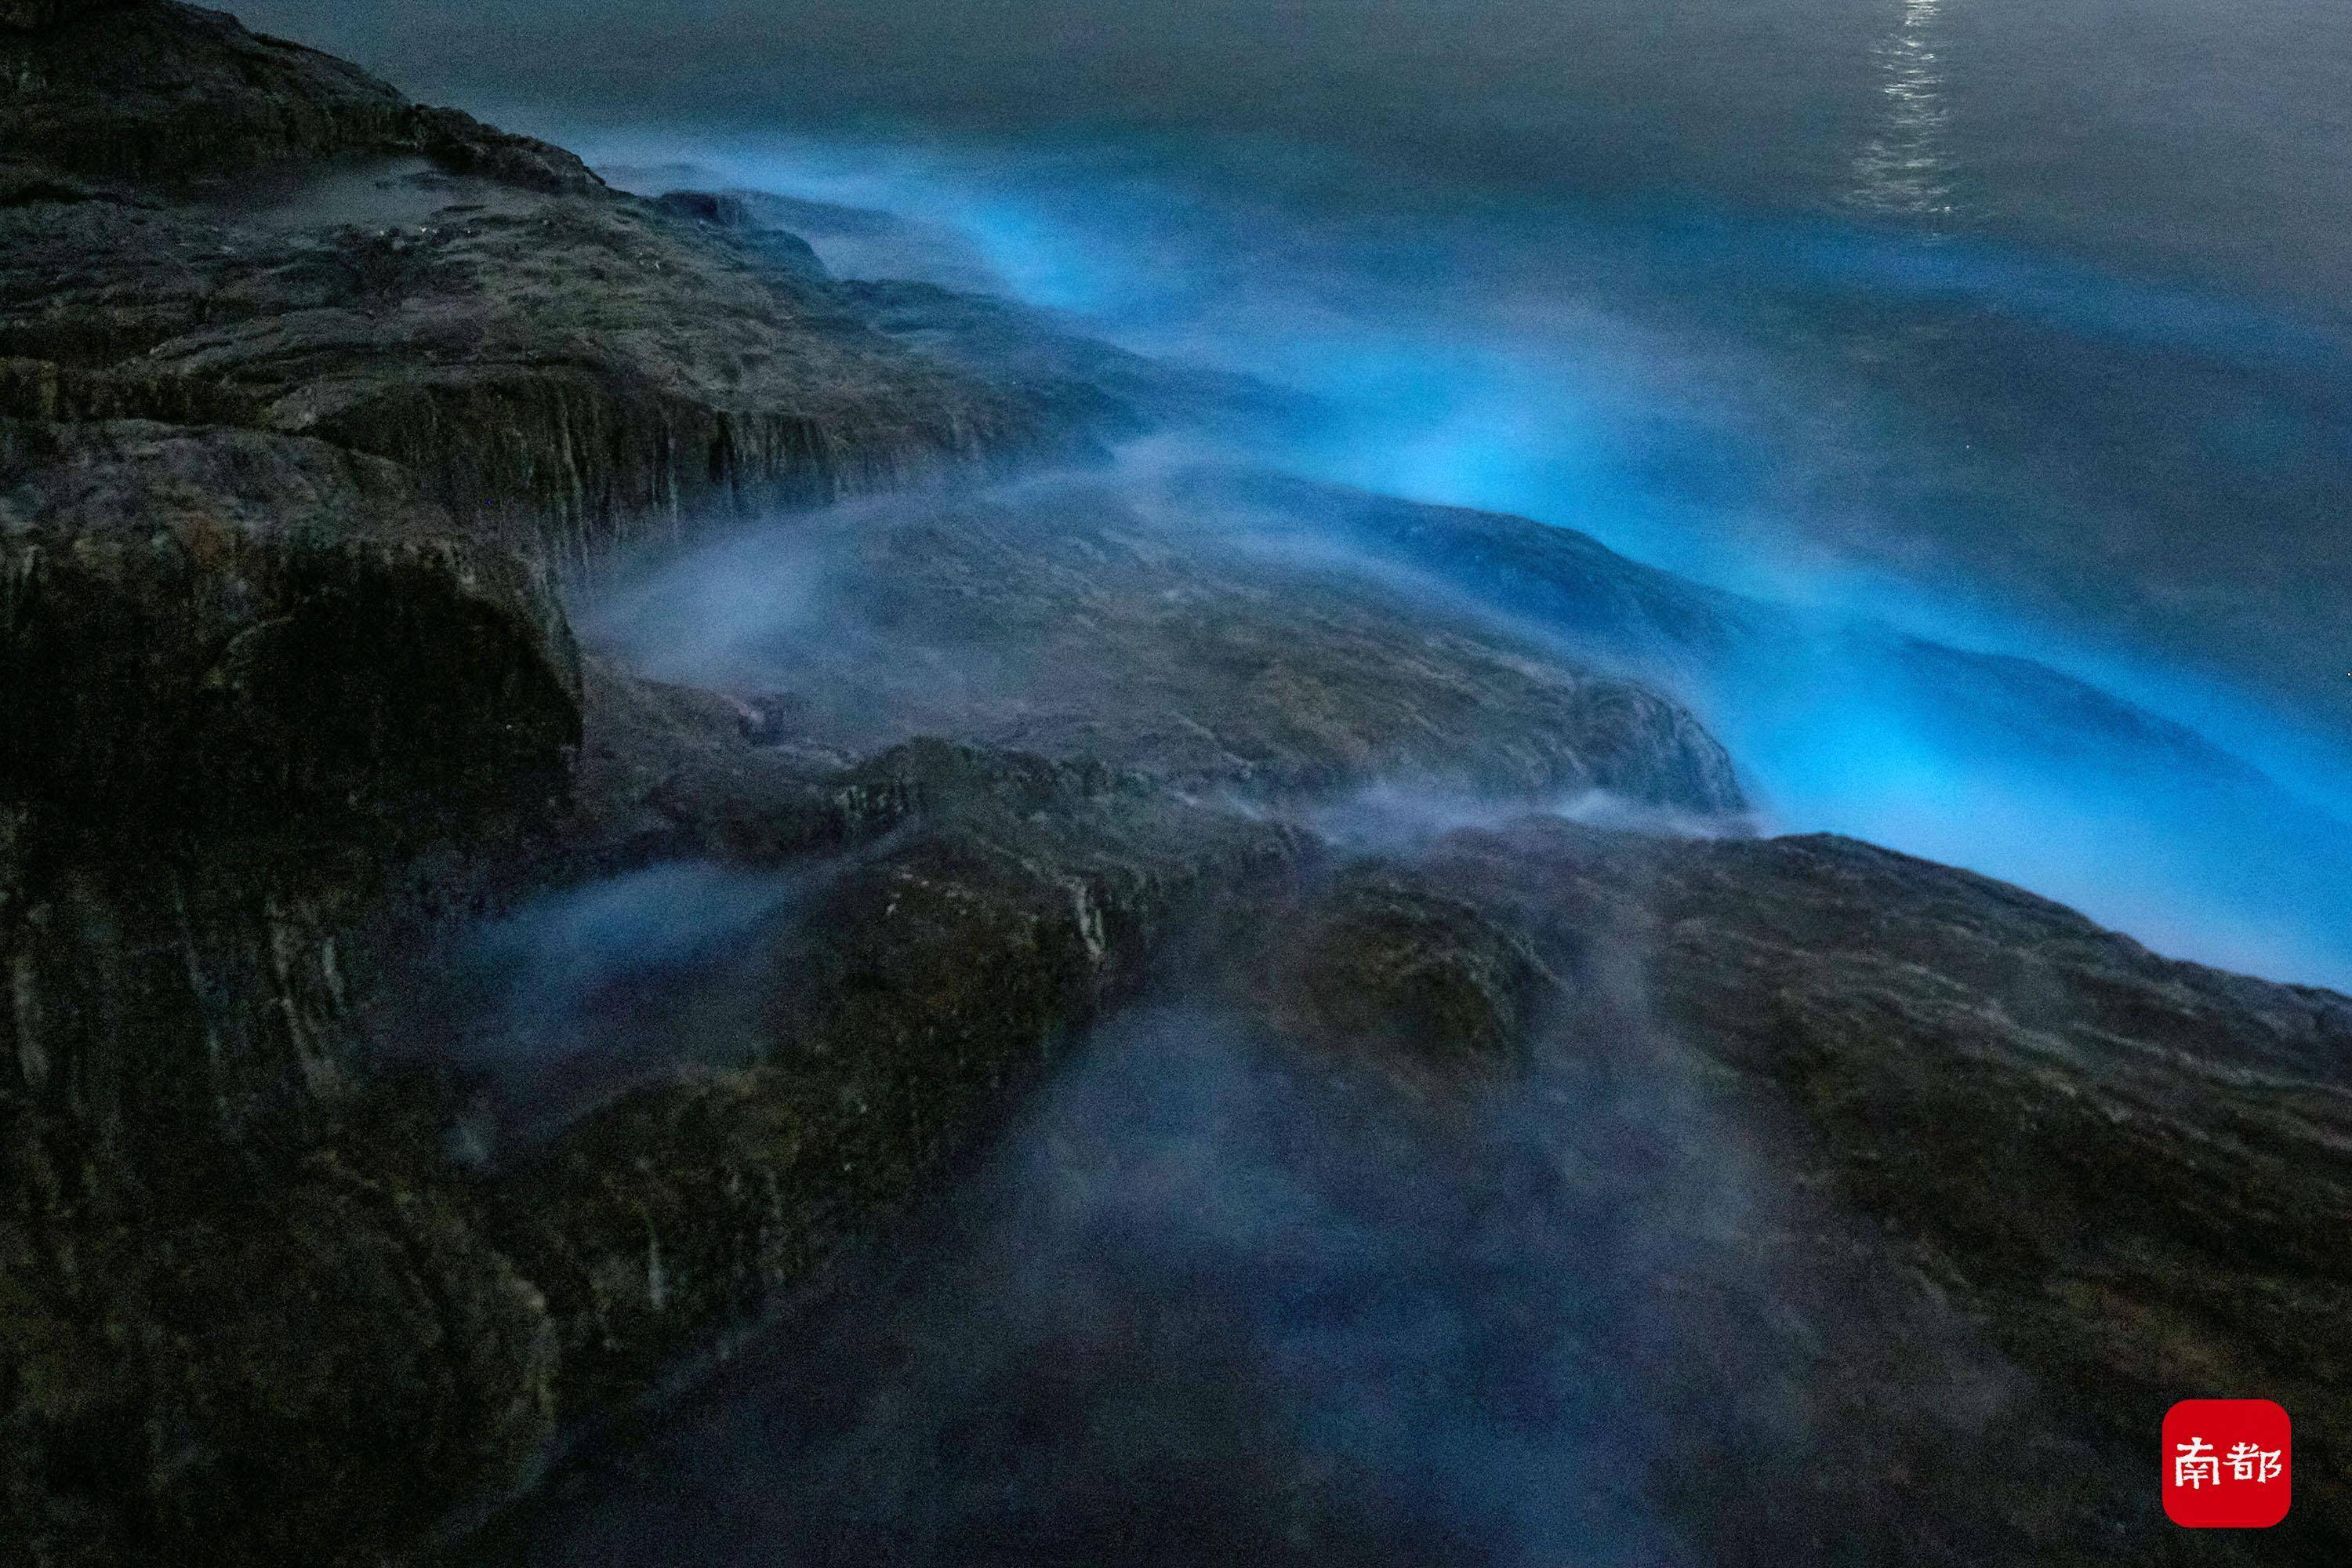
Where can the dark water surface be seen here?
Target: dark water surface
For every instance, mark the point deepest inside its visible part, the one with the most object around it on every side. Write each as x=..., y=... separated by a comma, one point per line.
x=2178, y=135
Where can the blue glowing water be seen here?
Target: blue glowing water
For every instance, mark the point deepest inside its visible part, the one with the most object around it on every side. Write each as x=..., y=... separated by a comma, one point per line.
x=2016, y=326
x=1439, y=373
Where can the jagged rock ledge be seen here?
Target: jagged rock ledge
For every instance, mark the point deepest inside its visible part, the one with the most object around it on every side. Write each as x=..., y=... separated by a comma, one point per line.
x=198, y=222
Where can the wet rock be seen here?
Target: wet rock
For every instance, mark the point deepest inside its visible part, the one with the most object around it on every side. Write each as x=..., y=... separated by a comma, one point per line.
x=930, y=983
x=48, y=391
x=248, y=1372
x=308, y=394
x=1381, y=961
x=572, y=372
x=245, y=677
x=212, y=631
x=145, y=89
x=198, y=222
x=2122, y=1167
x=1059, y=617
x=245, y=680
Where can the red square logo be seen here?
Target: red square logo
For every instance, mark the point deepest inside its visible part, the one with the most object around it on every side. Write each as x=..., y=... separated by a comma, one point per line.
x=2227, y=1463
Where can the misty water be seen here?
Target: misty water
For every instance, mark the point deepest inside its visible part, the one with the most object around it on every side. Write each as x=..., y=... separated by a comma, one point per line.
x=2021, y=328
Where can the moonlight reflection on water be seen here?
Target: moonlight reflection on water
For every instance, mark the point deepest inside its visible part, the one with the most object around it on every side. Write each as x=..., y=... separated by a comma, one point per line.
x=1906, y=169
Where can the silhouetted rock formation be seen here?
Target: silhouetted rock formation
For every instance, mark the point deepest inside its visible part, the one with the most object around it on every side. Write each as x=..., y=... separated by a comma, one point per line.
x=144, y=89
x=197, y=221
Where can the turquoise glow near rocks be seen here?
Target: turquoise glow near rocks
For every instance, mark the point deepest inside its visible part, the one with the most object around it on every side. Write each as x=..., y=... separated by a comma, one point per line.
x=2014, y=326
x=1429, y=368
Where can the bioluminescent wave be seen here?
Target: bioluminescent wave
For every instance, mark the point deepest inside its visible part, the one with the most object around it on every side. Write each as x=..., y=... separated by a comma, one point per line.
x=1863, y=332
x=1557, y=369
x=1983, y=444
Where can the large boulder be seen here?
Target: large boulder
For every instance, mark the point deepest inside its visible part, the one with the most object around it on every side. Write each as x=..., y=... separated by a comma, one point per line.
x=196, y=221
x=2127, y=1169
x=211, y=631
x=244, y=677
x=1066, y=616
x=148, y=89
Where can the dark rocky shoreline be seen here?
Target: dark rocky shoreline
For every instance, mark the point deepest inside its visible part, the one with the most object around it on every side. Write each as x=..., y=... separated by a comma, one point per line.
x=313, y=406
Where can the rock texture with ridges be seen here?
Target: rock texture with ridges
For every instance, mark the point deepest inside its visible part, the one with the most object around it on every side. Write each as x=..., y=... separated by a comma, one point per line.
x=196, y=221
x=144, y=89
x=1058, y=616
x=2125, y=1169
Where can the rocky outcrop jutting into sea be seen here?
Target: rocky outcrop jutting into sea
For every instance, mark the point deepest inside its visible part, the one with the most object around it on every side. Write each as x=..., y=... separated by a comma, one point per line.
x=321, y=414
